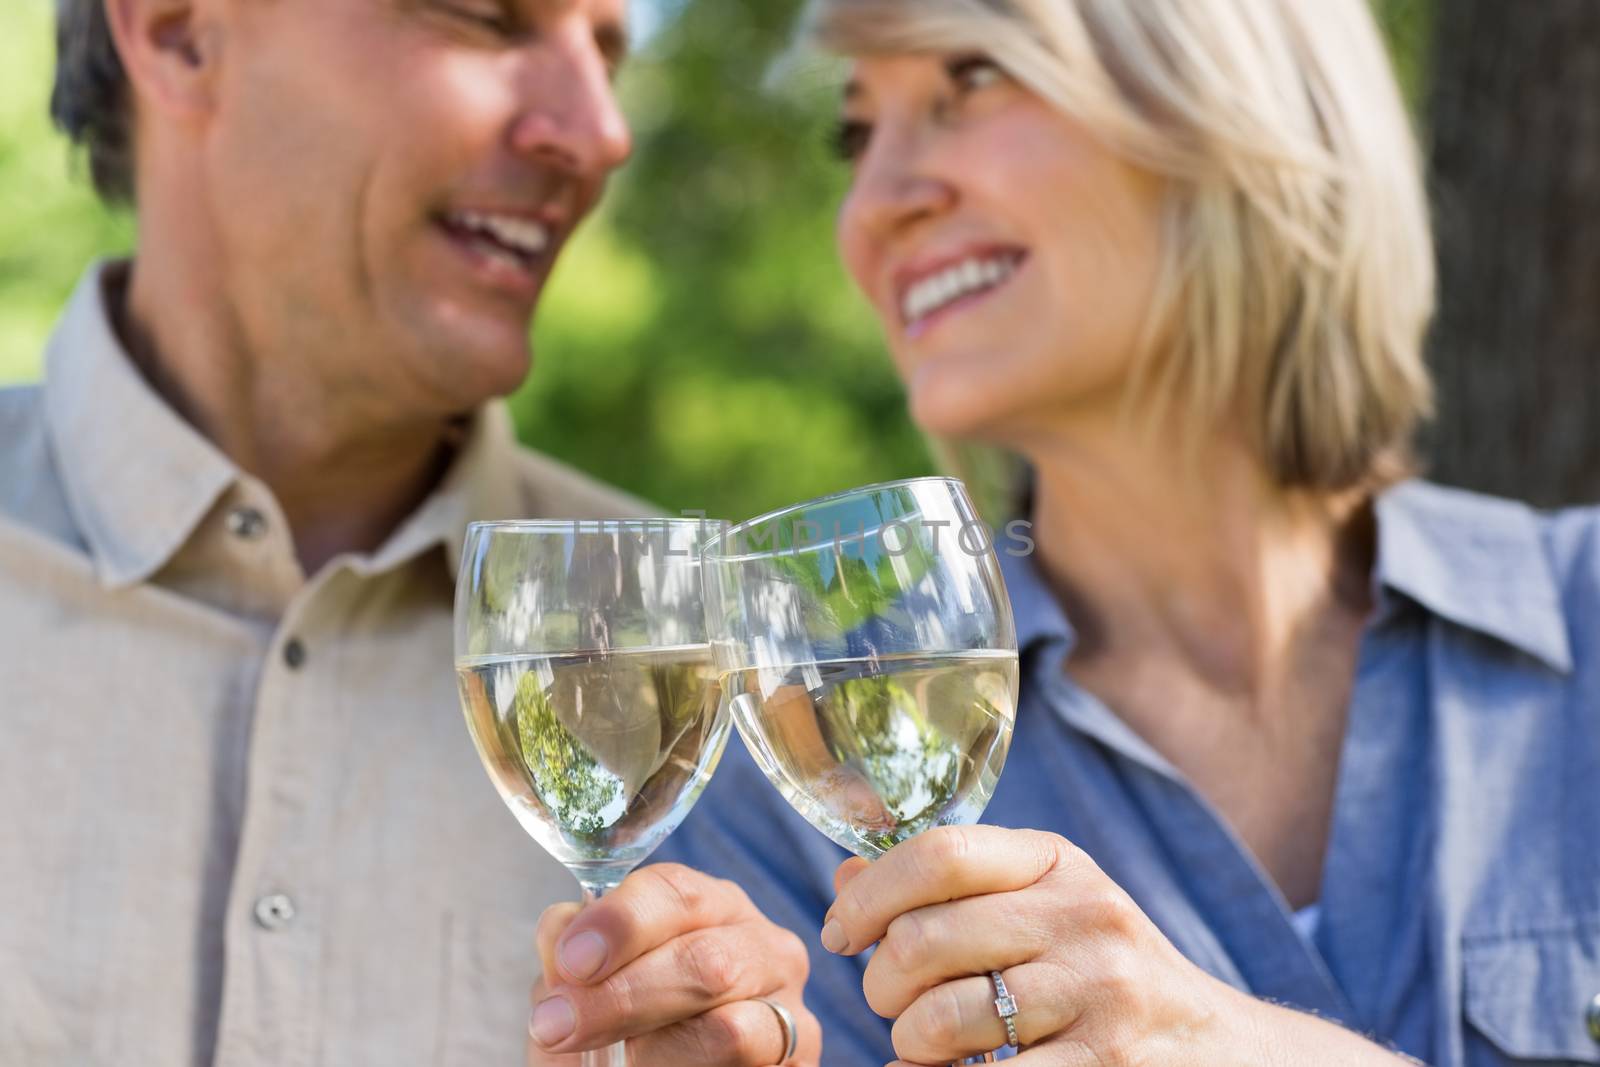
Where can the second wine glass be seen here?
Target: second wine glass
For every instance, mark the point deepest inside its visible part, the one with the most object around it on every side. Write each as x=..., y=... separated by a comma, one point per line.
x=866, y=650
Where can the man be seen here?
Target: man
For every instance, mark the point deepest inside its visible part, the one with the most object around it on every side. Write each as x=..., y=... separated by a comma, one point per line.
x=244, y=824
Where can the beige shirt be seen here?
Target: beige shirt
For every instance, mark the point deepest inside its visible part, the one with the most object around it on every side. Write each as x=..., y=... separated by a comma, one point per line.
x=241, y=819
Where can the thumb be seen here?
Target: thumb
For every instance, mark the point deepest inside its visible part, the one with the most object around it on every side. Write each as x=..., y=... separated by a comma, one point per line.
x=538, y=1057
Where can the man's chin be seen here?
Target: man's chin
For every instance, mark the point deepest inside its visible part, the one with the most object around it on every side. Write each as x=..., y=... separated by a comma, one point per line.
x=500, y=374
x=464, y=376
x=463, y=353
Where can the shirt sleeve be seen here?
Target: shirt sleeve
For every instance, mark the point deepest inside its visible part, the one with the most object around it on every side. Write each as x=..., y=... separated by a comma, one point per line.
x=742, y=830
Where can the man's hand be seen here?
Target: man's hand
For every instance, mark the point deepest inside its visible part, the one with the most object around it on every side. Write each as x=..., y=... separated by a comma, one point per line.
x=669, y=961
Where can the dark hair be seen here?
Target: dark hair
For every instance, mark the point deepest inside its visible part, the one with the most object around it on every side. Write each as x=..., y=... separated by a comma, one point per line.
x=90, y=100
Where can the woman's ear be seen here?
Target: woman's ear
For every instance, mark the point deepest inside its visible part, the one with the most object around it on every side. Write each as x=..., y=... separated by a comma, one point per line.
x=169, y=51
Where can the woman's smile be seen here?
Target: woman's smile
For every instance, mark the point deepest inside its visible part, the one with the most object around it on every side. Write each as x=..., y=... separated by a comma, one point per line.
x=937, y=289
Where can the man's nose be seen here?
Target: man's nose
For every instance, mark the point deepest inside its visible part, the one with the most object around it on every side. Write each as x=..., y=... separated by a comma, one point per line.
x=570, y=117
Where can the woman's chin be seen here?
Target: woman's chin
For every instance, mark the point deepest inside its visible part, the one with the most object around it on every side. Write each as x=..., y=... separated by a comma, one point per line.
x=946, y=406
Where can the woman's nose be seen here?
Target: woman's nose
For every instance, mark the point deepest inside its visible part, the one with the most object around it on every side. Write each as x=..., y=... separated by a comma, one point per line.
x=896, y=186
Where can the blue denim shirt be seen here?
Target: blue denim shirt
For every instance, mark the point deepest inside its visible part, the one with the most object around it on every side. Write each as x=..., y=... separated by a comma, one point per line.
x=1461, y=893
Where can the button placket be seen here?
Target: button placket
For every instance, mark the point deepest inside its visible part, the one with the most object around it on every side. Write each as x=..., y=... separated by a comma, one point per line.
x=282, y=849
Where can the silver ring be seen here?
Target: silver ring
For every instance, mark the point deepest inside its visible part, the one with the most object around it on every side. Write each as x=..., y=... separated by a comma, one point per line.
x=791, y=1034
x=1005, y=1005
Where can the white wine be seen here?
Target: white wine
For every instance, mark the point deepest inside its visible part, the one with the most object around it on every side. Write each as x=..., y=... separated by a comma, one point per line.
x=873, y=751
x=599, y=755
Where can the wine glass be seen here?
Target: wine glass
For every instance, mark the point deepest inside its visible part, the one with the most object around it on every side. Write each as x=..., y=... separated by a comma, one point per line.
x=588, y=686
x=865, y=646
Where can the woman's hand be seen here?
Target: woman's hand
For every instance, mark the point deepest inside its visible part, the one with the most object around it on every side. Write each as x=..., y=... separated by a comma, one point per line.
x=670, y=962
x=1095, y=982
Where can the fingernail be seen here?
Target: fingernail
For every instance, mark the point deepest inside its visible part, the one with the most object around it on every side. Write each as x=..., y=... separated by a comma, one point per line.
x=833, y=937
x=583, y=954
x=552, y=1021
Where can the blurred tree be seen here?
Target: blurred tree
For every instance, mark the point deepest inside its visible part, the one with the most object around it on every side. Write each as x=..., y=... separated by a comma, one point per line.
x=1516, y=174
x=1408, y=26
x=709, y=351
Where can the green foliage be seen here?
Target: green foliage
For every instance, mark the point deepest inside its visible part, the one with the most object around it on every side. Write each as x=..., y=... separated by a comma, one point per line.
x=582, y=796
x=1408, y=24
x=877, y=728
x=858, y=584
x=51, y=225
x=699, y=344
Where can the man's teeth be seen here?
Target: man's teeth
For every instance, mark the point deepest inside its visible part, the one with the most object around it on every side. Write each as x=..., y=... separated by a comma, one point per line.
x=951, y=284
x=523, y=236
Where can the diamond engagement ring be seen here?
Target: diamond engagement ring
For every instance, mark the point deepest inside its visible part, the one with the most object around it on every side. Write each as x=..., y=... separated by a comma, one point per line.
x=791, y=1033
x=1005, y=1005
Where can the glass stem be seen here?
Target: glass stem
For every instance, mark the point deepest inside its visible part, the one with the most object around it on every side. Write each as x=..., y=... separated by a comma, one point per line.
x=614, y=1055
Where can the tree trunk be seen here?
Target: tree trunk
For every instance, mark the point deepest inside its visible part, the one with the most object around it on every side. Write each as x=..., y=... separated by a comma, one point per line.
x=1515, y=115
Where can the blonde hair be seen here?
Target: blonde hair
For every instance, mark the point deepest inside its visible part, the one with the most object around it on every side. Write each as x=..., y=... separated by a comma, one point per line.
x=1299, y=271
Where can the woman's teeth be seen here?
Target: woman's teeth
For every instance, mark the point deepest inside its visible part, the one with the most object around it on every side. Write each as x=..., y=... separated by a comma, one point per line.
x=971, y=275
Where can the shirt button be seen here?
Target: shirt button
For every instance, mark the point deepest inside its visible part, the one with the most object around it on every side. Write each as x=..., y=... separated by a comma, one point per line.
x=1592, y=1016
x=294, y=653
x=247, y=523
x=274, y=911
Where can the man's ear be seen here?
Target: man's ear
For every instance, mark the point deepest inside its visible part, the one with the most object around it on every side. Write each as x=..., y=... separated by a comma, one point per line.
x=169, y=49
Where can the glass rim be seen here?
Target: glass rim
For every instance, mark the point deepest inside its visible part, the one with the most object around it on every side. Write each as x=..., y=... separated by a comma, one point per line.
x=588, y=525
x=712, y=549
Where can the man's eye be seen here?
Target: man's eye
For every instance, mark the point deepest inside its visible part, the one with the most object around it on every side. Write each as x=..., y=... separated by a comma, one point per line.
x=491, y=17
x=973, y=72
x=849, y=139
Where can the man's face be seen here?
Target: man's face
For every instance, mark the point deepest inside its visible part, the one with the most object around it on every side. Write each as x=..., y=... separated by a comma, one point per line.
x=390, y=182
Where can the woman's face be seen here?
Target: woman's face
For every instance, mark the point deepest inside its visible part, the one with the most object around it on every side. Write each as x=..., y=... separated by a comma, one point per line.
x=1011, y=256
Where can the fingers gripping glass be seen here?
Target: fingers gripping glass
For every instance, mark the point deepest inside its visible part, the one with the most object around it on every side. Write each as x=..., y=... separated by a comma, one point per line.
x=588, y=686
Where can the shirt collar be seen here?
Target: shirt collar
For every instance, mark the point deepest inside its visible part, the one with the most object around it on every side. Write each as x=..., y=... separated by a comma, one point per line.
x=1477, y=561
x=1045, y=638
x=140, y=480
x=137, y=477
x=1037, y=613
x=482, y=484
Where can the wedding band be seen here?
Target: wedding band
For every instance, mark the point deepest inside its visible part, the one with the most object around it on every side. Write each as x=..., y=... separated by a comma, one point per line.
x=1005, y=1005
x=791, y=1035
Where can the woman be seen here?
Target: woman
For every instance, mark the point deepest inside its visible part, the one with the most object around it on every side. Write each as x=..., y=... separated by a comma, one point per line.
x=1304, y=752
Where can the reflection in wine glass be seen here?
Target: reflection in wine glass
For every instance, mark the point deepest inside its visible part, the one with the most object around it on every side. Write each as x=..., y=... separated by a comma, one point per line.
x=865, y=647
x=588, y=686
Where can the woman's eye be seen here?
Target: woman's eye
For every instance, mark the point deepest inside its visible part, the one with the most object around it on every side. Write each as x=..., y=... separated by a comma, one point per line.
x=971, y=73
x=849, y=139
